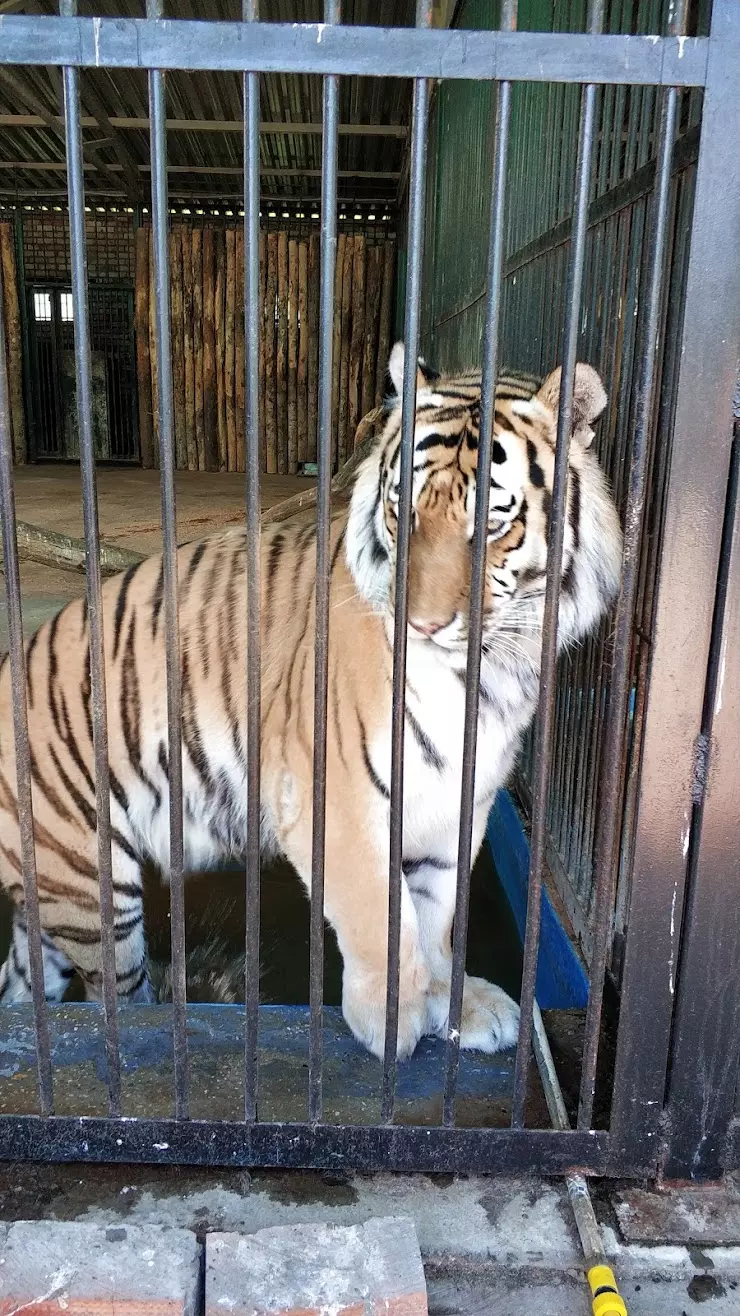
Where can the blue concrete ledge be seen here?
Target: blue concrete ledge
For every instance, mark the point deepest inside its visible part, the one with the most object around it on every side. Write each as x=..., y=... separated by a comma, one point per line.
x=561, y=981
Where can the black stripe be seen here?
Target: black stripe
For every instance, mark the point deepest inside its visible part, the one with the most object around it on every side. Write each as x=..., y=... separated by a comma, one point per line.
x=429, y=751
x=157, y=598
x=52, y=675
x=130, y=713
x=29, y=654
x=438, y=441
x=91, y=936
x=121, y=607
x=336, y=712
x=194, y=562
x=380, y=787
x=411, y=866
x=536, y=473
x=191, y=731
x=338, y=548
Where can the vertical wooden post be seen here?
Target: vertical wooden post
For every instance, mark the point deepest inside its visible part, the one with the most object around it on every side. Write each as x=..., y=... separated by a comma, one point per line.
x=282, y=353
x=347, y=265
x=141, y=331
x=210, y=400
x=336, y=359
x=261, y=314
x=178, y=346
x=302, y=415
x=189, y=343
x=11, y=303
x=356, y=346
x=153, y=351
x=313, y=344
x=219, y=251
x=372, y=313
x=239, y=361
x=271, y=294
x=199, y=341
x=292, y=355
x=384, y=328
x=229, y=381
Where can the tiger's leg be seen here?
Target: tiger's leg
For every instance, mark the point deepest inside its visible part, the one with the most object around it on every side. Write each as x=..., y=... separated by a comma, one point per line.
x=490, y=1018
x=356, y=905
x=15, y=974
x=77, y=932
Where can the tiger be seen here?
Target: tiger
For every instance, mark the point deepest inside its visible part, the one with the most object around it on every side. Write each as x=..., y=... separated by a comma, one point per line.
x=363, y=544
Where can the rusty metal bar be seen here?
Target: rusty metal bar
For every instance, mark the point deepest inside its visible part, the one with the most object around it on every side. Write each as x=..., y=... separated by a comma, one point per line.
x=496, y=241
x=330, y=146
x=546, y=712
x=157, y=114
x=98, y=708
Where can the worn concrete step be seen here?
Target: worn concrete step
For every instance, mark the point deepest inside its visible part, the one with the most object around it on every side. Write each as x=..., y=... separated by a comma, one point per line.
x=52, y=1266
x=310, y=1269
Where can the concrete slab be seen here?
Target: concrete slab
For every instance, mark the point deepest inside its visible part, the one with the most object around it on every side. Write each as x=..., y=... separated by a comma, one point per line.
x=693, y=1214
x=82, y=1267
x=372, y=1269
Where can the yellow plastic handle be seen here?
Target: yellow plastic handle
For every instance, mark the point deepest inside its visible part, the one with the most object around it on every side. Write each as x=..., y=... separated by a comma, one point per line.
x=606, y=1300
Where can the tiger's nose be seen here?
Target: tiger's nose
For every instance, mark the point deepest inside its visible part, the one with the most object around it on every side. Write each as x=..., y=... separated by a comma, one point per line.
x=427, y=628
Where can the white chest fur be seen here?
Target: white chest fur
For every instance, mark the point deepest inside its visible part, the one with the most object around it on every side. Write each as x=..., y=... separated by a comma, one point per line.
x=433, y=743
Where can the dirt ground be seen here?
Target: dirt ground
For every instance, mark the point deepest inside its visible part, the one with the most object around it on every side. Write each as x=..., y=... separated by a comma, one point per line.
x=129, y=512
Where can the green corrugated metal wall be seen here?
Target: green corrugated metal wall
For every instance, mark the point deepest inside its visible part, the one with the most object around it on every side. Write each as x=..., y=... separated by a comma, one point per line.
x=542, y=156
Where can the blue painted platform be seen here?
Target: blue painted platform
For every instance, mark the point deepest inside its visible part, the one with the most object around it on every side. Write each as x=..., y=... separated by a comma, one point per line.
x=561, y=980
x=352, y=1077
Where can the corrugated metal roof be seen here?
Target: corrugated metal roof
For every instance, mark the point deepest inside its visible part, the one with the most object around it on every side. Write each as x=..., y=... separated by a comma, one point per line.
x=291, y=161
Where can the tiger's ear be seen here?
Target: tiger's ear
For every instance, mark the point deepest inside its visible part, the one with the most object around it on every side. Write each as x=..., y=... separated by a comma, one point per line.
x=589, y=400
x=394, y=375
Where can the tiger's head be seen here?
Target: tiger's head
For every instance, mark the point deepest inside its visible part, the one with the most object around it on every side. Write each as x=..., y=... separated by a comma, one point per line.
x=443, y=510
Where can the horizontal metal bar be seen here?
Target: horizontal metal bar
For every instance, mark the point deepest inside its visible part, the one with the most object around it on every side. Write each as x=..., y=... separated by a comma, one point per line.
x=135, y=43
x=267, y=129
x=302, y=1146
x=59, y=166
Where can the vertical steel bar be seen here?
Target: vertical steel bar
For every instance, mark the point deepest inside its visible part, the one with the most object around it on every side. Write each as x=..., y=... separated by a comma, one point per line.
x=417, y=195
x=697, y=478
x=332, y=14
x=250, y=14
x=545, y=718
x=78, y=256
x=20, y=733
x=620, y=680
x=478, y=578
x=706, y=1034
x=158, y=147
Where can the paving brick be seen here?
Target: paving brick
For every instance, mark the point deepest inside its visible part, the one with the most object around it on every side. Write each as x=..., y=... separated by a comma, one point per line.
x=312, y=1269
x=94, y=1270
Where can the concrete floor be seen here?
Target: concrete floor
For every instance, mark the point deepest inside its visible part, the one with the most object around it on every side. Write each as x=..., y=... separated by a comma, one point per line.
x=50, y=497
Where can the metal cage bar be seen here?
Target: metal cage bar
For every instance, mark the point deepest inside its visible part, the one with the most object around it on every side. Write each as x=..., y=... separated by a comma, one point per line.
x=328, y=257
x=21, y=742
x=157, y=114
x=611, y=777
x=417, y=192
x=544, y=726
x=98, y=708
x=363, y=51
x=697, y=478
x=250, y=14
x=496, y=239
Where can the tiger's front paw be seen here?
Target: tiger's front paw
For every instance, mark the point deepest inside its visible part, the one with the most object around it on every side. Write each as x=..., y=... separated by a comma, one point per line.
x=490, y=1019
x=364, y=1003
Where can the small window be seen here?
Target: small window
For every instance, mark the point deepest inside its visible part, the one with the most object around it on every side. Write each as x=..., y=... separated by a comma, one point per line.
x=67, y=306
x=42, y=306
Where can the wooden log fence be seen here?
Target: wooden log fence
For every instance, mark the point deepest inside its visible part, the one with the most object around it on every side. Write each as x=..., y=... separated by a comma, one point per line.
x=207, y=330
